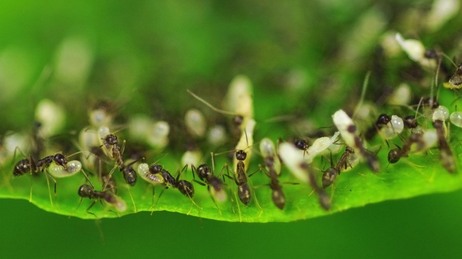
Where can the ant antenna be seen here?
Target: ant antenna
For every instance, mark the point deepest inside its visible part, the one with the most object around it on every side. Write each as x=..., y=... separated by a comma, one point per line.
x=210, y=105
x=363, y=93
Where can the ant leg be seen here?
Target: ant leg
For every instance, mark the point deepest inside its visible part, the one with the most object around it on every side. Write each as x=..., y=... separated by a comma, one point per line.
x=49, y=190
x=89, y=207
x=324, y=199
x=157, y=201
x=133, y=200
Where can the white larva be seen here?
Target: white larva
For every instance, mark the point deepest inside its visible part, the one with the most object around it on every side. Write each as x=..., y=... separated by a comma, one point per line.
x=72, y=168
x=143, y=172
x=293, y=159
x=195, y=123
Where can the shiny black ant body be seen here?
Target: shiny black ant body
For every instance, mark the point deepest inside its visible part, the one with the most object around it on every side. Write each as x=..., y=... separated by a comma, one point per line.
x=29, y=165
x=88, y=191
x=243, y=189
x=331, y=174
x=185, y=187
x=214, y=184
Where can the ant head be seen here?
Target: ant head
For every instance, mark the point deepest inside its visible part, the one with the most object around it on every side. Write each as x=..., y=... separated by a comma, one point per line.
x=155, y=168
x=204, y=171
x=241, y=155
x=111, y=139
x=238, y=120
x=300, y=144
x=60, y=159
x=431, y=54
x=410, y=122
x=382, y=120
x=85, y=190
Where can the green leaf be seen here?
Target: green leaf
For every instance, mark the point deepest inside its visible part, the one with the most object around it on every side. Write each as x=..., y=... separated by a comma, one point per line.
x=326, y=84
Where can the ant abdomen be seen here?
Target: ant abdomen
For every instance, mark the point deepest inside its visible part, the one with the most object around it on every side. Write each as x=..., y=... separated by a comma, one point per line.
x=279, y=199
x=22, y=167
x=243, y=192
x=394, y=155
x=186, y=188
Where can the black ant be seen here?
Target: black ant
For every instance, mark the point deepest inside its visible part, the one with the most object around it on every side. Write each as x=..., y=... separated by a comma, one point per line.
x=343, y=163
x=371, y=158
x=277, y=194
x=301, y=144
x=185, y=187
x=88, y=191
x=29, y=165
x=214, y=185
x=129, y=173
x=111, y=143
x=324, y=199
x=243, y=189
x=270, y=159
x=395, y=154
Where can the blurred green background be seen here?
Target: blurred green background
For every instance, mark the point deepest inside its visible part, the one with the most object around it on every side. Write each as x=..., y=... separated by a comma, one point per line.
x=148, y=48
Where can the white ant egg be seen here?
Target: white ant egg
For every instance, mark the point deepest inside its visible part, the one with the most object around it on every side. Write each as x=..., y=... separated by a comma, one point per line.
x=100, y=117
x=51, y=116
x=216, y=135
x=401, y=96
x=195, y=123
x=393, y=128
x=191, y=157
x=158, y=134
x=456, y=119
x=441, y=113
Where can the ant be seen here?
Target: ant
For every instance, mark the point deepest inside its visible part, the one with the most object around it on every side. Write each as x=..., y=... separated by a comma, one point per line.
x=214, y=185
x=111, y=143
x=324, y=199
x=88, y=191
x=185, y=187
x=240, y=178
x=28, y=165
x=343, y=163
x=423, y=140
x=273, y=168
x=298, y=166
x=301, y=144
x=129, y=173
